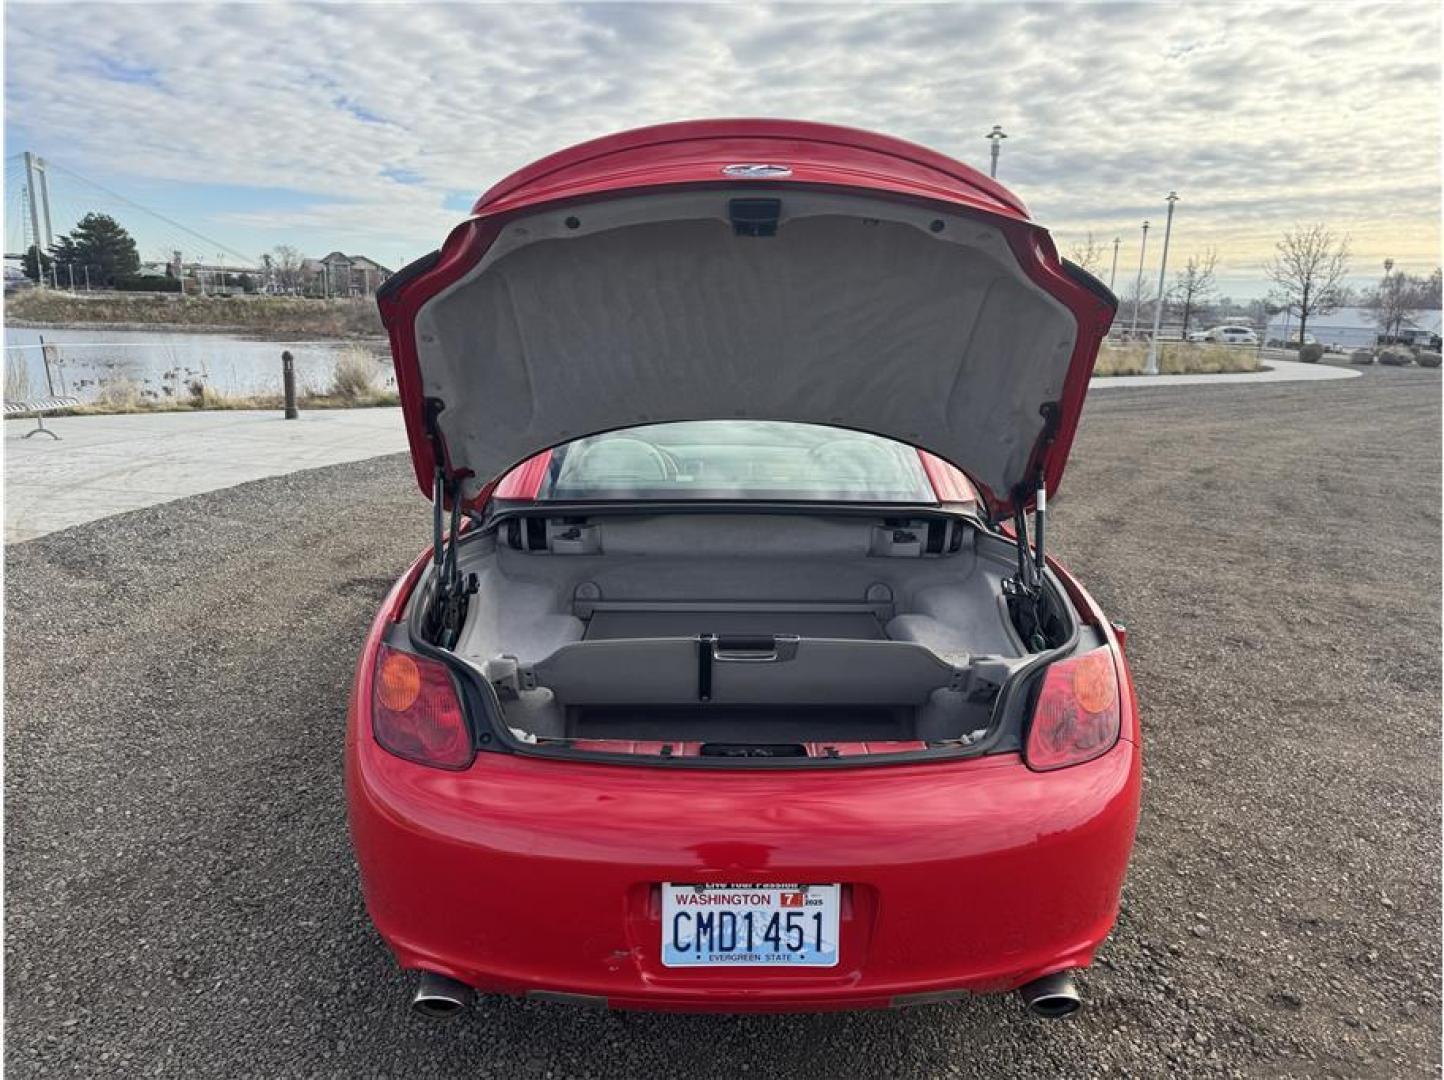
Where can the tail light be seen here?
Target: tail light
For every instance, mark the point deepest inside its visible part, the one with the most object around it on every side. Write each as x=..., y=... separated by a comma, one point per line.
x=1076, y=717
x=415, y=712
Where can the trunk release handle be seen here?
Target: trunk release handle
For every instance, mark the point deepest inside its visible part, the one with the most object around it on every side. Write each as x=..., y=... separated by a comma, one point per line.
x=740, y=649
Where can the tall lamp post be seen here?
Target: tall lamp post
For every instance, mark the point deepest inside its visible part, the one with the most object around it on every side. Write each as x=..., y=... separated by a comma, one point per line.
x=1383, y=292
x=995, y=137
x=1151, y=368
x=1113, y=274
x=1138, y=285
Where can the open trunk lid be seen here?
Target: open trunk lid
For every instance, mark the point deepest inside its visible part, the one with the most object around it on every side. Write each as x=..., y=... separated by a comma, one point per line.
x=765, y=270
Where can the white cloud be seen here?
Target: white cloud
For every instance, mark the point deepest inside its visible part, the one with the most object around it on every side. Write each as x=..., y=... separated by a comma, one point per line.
x=1259, y=117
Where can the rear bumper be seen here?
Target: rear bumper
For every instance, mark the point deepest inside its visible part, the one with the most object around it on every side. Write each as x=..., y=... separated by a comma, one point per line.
x=532, y=876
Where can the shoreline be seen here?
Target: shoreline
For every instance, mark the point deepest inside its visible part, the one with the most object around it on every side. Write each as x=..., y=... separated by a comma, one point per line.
x=244, y=332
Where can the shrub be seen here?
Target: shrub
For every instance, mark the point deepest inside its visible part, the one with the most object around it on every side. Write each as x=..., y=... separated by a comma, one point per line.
x=354, y=375
x=1311, y=353
x=1361, y=356
x=147, y=283
x=1176, y=358
x=1396, y=357
x=1428, y=359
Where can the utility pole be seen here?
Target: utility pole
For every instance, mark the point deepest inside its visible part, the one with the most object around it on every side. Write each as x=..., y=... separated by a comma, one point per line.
x=1138, y=286
x=1113, y=274
x=995, y=137
x=1151, y=368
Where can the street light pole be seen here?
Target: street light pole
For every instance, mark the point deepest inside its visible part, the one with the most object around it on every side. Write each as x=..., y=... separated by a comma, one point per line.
x=1138, y=285
x=1151, y=368
x=1113, y=274
x=1383, y=293
x=995, y=137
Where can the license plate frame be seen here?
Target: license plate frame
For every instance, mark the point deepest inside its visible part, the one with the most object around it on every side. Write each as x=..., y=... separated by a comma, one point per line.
x=750, y=926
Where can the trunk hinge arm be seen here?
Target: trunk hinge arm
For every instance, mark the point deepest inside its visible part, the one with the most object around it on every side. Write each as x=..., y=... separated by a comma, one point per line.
x=1025, y=589
x=449, y=596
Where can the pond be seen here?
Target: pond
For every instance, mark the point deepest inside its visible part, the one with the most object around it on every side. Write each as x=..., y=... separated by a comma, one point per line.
x=160, y=364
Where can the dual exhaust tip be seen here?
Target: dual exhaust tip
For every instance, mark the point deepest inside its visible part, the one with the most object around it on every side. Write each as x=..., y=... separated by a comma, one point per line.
x=439, y=997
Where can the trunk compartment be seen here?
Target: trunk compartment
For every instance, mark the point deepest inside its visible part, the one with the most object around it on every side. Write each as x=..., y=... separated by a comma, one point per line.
x=742, y=635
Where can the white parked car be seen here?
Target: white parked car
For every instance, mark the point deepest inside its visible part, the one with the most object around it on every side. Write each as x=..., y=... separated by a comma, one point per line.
x=1231, y=335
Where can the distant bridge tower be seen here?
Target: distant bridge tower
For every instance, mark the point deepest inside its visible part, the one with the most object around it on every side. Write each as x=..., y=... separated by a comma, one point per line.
x=35, y=184
x=39, y=208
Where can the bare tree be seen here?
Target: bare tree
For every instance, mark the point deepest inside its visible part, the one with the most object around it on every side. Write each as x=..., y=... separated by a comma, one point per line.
x=1194, y=283
x=1087, y=253
x=1309, y=270
x=1398, y=297
x=286, y=264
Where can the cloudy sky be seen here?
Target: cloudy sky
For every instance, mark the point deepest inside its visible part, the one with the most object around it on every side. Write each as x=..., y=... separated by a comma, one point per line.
x=371, y=128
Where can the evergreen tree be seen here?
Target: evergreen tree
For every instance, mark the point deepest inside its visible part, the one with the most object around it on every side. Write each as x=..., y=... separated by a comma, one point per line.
x=100, y=242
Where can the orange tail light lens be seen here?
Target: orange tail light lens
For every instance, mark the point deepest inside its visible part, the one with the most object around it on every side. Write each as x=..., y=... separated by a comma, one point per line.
x=1077, y=715
x=416, y=713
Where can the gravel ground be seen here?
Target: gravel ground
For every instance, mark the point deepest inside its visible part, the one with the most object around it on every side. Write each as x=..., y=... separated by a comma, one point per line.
x=182, y=900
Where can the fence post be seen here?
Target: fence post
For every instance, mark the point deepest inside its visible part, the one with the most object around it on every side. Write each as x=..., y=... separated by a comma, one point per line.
x=45, y=359
x=288, y=381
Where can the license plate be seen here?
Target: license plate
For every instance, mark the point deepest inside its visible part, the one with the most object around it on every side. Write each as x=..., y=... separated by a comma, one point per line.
x=749, y=925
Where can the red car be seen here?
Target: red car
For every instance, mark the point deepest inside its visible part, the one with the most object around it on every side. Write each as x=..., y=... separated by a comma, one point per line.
x=733, y=679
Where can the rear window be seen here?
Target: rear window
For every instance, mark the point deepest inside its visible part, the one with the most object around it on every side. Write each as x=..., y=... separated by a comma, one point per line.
x=737, y=459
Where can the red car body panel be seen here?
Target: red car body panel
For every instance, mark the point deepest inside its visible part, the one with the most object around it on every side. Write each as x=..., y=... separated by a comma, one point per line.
x=526, y=875
x=820, y=156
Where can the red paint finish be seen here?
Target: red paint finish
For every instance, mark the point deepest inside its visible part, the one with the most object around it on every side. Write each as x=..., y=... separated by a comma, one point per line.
x=692, y=154
x=531, y=874
x=950, y=484
x=525, y=481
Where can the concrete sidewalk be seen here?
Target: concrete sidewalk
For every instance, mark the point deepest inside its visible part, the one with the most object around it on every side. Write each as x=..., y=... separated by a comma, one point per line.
x=105, y=465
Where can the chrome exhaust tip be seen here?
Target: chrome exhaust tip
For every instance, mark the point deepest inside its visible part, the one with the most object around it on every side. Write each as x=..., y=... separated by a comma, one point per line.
x=1053, y=996
x=438, y=997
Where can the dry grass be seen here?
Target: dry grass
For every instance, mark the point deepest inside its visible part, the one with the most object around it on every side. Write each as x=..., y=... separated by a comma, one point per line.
x=123, y=401
x=274, y=316
x=211, y=400
x=119, y=394
x=1176, y=358
x=354, y=376
x=17, y=378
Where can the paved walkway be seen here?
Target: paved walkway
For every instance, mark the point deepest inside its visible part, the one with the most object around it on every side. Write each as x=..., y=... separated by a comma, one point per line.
x=106, y=465
x=1279, y=371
